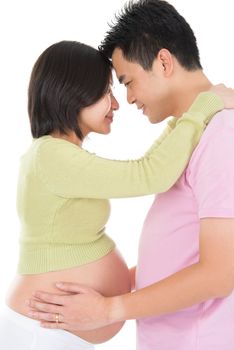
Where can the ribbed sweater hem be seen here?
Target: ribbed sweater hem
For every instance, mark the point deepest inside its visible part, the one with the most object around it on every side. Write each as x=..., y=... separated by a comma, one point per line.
x=43, y=258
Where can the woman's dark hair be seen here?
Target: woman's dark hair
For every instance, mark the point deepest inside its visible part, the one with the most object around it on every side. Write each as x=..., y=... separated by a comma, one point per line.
x=67, y=77
x=145, y=27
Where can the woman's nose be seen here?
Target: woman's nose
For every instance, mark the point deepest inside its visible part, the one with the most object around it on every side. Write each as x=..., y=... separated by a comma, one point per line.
x=114, y=103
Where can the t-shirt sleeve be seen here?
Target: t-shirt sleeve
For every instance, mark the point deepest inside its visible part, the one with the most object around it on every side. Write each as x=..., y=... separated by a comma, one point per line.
x=70, y=172
x=213, y=175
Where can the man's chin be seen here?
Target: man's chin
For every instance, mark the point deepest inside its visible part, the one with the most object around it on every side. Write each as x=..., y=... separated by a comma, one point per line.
x=154, y=120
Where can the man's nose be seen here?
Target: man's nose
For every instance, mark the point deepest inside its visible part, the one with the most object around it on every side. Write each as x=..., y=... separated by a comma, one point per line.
x=130, y=97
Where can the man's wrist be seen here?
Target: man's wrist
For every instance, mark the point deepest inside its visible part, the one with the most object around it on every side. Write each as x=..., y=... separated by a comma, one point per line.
x=116, y=310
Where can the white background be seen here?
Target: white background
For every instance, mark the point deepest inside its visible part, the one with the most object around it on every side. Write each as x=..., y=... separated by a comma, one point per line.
x=26, y=29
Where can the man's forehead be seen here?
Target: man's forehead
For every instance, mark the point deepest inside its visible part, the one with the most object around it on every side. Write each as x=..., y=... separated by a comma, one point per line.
x=121, y=78
x=120, y=65
x=117, y=54
x=123, y=67
x=118, y=59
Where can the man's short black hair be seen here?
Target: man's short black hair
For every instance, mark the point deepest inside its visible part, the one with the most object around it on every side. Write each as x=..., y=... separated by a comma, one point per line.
x=67, y=77
x=145, y=27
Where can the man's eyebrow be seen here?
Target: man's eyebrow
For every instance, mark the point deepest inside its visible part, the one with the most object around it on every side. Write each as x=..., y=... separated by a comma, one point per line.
x=121, y=78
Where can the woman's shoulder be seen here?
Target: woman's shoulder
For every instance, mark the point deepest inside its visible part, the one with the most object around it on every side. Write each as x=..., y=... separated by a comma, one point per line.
x=56, y=153
x=49, y=146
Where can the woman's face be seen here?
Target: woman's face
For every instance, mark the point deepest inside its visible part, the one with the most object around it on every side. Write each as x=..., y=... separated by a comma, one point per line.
x=99, y=116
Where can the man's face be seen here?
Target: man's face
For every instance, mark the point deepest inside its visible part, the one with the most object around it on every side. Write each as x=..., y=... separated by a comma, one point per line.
x=149, y=90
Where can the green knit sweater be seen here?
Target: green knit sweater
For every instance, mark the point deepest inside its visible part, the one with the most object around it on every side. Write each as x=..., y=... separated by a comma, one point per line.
x=63, y=190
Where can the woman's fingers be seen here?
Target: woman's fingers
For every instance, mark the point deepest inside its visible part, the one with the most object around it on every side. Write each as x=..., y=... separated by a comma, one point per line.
x=225, y=93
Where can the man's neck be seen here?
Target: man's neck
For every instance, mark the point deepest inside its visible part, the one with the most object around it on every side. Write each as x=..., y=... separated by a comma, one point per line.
x=188, y=86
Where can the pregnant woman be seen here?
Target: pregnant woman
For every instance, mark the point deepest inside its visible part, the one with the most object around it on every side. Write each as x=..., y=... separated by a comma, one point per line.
x=63, y=190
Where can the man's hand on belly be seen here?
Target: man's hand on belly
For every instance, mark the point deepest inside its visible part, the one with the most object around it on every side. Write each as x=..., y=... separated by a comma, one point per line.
x=82, y=309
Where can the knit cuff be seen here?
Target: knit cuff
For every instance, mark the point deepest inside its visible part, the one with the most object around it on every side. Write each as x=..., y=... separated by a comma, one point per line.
x=205, y=106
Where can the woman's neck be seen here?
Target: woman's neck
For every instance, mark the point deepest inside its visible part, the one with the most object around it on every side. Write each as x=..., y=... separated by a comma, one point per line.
x=71, y=137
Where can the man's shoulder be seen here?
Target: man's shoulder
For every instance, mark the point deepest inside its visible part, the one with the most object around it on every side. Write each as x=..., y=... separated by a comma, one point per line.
x=210, y=173
x=221, y=124
x=217, y=139
x=223, y=120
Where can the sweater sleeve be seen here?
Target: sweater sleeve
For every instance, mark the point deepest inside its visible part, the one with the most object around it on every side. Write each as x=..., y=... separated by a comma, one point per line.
x=71, y=172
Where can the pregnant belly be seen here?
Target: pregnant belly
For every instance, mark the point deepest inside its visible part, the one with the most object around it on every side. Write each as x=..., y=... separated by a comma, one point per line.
x=108, y=275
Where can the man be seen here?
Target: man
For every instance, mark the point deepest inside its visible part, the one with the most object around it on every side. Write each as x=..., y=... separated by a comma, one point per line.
x=185, y=275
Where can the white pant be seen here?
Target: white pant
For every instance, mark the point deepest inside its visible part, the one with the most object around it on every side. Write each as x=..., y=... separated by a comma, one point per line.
x=18, y=332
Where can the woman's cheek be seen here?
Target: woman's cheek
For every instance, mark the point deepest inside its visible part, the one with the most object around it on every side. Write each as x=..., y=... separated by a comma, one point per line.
x=108, y=104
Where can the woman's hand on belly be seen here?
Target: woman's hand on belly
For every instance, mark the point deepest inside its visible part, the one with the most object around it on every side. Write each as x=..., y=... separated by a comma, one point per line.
x=84, y=310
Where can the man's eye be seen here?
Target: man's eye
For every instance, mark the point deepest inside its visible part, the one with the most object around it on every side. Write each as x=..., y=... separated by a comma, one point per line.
x=126, y=84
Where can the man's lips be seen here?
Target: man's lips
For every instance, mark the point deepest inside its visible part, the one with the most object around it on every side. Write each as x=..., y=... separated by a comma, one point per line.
x=110, y=117
x=142, y=107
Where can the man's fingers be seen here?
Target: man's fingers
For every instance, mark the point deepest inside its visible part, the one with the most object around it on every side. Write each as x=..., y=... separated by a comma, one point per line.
x=43, y=316
x=50, y=298
x=39, y=306
x=72, y=287
x=53, y=325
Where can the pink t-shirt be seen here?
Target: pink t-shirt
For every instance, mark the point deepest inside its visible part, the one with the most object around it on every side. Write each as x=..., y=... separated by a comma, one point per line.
x=170, y=242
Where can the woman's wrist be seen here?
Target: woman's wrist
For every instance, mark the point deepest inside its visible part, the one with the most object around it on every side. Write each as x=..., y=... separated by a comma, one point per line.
x=206, y=104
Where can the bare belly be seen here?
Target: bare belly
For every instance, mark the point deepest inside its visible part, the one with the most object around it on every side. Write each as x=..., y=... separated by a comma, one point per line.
x=108, y=275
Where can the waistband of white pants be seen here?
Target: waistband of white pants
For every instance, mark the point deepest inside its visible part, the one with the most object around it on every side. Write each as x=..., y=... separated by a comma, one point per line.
x=28, y=323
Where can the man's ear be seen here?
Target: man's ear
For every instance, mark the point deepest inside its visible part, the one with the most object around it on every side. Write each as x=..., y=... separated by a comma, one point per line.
x=165, y=60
